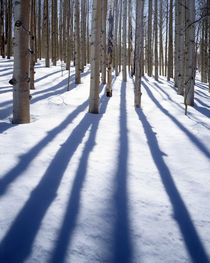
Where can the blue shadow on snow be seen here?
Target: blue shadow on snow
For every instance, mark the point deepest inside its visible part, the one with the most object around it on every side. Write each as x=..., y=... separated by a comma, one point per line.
x=181, y=214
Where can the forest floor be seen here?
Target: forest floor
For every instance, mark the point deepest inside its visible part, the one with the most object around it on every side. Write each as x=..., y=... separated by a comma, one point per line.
x=125, y=185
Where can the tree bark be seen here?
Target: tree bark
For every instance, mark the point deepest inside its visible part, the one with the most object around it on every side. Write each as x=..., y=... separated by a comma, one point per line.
x=156, y=40
x=95, y=58
x=2, y=14
x=124, y=68
x=139, y=51
x=20, y=81
x=149, y=41
x=110, y=50
x=170, y=44
x=190, y=49
x=104, y=59
x=77, y=42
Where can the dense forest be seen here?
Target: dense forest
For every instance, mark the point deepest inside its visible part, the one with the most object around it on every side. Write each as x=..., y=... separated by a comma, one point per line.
x=104, y=131
x=169, y=38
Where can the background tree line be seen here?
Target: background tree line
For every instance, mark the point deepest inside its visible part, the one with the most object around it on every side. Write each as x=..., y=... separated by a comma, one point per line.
x=169, y=38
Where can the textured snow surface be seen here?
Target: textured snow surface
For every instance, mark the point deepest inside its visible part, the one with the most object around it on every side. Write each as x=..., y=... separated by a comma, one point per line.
x=125, y=185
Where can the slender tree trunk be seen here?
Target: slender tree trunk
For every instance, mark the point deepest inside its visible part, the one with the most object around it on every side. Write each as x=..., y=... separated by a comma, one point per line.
x=208, y=5
x=190, y=49
x=32, y=45
x=68, y=60
x=21, y=105
x=139, y=51
x=166, y=44
x=161, y=64
x=39, y=31
x=9, y=37
x=77, y=42
x=130, y=36
x=61, y=31
x=170, y=44
x=110, y=50
x=149, y=40
x=104, y=60
x=2, y=41
x=180, y=49
x=120, y=36
x=88, y=41
x=156, y=40
x=124, y=69
x=95, y=59
x=116, y=53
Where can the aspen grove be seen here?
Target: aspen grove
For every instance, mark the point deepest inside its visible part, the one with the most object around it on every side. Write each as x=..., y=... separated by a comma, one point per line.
x=102, y=92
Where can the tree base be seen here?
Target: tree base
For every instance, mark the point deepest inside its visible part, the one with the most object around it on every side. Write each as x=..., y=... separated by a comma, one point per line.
x=109, y=93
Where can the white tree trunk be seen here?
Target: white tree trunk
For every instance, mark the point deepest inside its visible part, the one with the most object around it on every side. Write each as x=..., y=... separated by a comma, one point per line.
x=104, y=60
x=139, y=51
x=77, y=43
x=124, y=69
x=95, y=58
x=180, y=49
x=110, y=49
x=190, y=54
x=21, y=91
x=156, y=40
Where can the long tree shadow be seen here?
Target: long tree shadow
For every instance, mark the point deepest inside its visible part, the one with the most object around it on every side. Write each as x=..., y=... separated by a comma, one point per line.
x=58, y=89
x=202, y=103
x=72, y=211
x=5, y=91
x=181, y=214
x=5, y=69
x=203, y=111
x=28, y=157
x=122, y=242
x=46, y=76
x=192, y=137
x=22, y=233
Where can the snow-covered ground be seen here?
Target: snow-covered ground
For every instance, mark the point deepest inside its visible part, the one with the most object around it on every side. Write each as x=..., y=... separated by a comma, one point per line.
x=125, y=185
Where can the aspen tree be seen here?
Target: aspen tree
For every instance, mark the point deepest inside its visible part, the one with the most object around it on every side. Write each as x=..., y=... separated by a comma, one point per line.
x=110, y=49
x=64, y=30
x=205, y=21
x=208, y=6
x=9, y=36
x=180, y=49
x=149, y=40
x=45, y=33
x=161, y=62
x=177, y=28
x=124, y=66
x=116, y=53
x=35, y=31
x=120, y=36
x=53, y=31
x=2, y=44
x=103, y=29
x=32, y=45
x=95, y=59
x=156, y=40
x=166, y=41
x=170, y=42
x=190, y=49
x=77, y=42
x=39, y=31
x=68, y=60
x=20, y=81
x=88, y=41
x=129, y=33
x=83, y=35
x=139, y=51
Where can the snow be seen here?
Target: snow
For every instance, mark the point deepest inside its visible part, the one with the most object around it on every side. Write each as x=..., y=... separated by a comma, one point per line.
x=126, y=185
